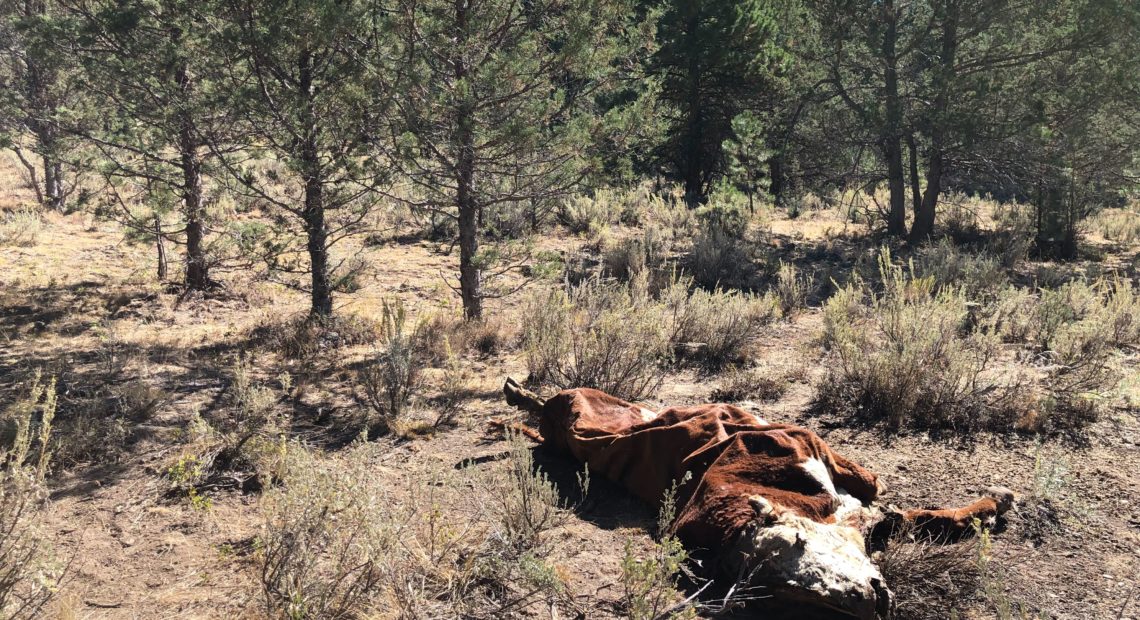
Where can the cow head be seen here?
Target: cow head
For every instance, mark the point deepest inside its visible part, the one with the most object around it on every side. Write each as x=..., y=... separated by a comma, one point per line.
x=810, y=565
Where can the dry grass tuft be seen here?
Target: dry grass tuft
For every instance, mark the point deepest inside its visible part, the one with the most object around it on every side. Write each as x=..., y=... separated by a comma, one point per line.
x=929, y=580
x=21, y=227
x=750, y=384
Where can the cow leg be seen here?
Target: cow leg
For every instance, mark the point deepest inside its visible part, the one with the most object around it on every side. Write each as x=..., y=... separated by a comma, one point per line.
x=946, y=524
x=522, y=398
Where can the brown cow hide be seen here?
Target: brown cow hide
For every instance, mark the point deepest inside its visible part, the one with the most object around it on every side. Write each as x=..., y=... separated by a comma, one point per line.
x=770, y=503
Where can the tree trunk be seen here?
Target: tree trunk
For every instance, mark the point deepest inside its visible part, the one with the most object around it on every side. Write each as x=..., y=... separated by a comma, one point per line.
x=161, y=249
x=915, y=184
x=776, y=177
x=896, y=182
x=33, y=176
x=470, y=275
x=892, y=138
x=197, y=269
x=53, y=176
x=692, y=157
x=40, y=117
x=923, y=226
x=313, y=214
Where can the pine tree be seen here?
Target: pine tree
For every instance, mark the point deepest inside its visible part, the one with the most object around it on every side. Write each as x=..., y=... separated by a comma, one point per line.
x=498, y=100
x=146, y=64
x=35, y=86
x=307, y=101
x=748, y=156
x=715, y=59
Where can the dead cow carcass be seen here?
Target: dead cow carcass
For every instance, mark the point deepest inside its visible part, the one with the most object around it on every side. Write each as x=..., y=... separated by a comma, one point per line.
x=771, y=502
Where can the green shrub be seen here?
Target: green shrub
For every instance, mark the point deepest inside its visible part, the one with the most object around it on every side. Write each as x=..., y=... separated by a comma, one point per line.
x=910, y=358
x=649, y=582
x=608, y=337
x=392, y=377
x=716, y=327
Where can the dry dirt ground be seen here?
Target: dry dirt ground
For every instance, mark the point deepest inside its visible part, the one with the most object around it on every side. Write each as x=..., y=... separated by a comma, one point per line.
x=82, y=300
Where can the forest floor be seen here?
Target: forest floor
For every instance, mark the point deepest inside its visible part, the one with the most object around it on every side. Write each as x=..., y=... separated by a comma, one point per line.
x=82, y=303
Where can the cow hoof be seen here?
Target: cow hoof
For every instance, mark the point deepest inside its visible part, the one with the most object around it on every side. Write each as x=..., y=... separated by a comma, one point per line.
x=1003, y=496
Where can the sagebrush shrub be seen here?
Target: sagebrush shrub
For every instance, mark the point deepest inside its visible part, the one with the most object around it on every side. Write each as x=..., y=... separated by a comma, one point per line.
x=792, y=289
x=649, y=582
x=719, y=254
x=526, y=501
x=393, y=376
x=910, y=358
x=29, y=575
x=582, y=214
x=305, y=337
x=1119, y=225
x=625, y=258
x=1068, y=304
x=716, y=327
x=750, y=384
x=323, y=537
x=608, y=337
x=981, y=277
x=1011, y=315
x=237, y=448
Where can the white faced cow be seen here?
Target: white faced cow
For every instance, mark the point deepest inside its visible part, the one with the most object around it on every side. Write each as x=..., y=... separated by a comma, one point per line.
x=769, y=503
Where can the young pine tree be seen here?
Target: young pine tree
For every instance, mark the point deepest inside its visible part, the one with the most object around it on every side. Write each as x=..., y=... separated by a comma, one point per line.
x=748, y=156
x=499, y=101
x=147, y=65
x=307, y=99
